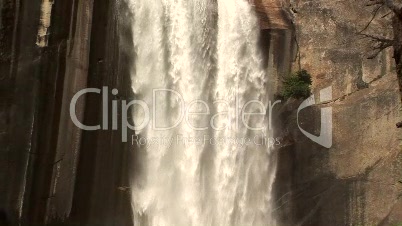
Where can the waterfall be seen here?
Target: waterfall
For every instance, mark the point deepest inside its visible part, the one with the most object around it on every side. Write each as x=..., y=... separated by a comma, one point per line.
x=197, y=65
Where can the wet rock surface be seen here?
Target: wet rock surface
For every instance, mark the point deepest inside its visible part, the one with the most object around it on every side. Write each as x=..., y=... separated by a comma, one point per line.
x=48, y=167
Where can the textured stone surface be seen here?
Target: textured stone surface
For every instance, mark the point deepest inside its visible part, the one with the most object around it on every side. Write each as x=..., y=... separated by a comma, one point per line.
x=273, y=14
x=355, y=182
x=47, y=169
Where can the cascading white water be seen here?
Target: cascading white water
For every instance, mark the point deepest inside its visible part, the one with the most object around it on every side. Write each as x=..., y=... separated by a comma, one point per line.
x=200, y=172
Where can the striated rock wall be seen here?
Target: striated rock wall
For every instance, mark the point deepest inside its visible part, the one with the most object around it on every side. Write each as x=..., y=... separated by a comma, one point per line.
x=49, y=169
x=277, y=39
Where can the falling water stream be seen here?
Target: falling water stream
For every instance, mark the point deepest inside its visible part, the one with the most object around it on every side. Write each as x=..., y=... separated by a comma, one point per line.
x=200, y=56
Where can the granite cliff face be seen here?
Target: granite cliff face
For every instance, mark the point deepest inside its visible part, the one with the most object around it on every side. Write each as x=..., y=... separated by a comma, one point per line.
x=50, y=170
x=355, y=182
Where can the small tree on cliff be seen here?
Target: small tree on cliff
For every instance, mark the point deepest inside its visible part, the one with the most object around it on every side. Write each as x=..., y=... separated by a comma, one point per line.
x=394, y=9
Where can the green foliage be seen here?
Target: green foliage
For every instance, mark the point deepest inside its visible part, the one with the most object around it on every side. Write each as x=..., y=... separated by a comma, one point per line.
x=297, y=85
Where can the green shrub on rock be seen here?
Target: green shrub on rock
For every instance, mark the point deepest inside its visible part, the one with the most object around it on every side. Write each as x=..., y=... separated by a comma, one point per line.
x=297, y=85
